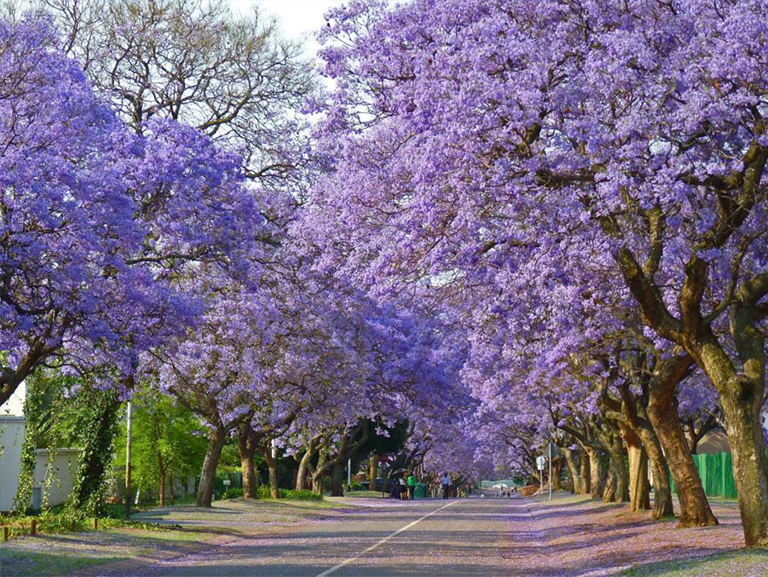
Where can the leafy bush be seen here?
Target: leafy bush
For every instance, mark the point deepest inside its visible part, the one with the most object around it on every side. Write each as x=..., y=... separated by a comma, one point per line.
x=232, y=493
x=264, y=493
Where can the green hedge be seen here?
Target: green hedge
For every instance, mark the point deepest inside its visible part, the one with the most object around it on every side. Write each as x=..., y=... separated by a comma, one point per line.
x=290, y=494
x=263, y=493
x=716, y=473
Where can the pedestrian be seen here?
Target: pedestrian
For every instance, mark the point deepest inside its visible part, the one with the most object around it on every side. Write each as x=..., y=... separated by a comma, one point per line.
x=403, y=489
x=445, y=481
x=411, y=486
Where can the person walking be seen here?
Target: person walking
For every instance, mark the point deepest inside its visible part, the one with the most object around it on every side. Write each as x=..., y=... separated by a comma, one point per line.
x=403, y=489
x=445, y=481
x=411, y=486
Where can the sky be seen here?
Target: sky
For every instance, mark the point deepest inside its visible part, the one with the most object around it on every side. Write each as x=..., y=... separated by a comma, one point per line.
x=298, y=18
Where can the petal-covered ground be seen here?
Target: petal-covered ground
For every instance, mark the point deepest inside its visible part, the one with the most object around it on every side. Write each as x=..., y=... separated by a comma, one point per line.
x=570, y=536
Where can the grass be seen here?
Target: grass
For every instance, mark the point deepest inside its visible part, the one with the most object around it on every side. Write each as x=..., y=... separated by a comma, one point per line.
x=153, y=534
x=743, y=563
x=363, y=493
x=22, y=563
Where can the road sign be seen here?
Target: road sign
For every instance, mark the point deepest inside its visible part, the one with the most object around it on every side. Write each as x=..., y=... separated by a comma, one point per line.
x=227, y=482
x=540, y=462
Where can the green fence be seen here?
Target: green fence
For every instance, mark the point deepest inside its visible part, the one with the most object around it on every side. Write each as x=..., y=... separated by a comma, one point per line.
x=716, y=472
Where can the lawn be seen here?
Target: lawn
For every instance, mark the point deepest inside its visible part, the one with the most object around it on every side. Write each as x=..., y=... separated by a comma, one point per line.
x=745, y=563
x=170, y=532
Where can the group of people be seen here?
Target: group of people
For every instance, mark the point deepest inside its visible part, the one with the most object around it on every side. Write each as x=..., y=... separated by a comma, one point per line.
x=405, y=488
x=505, y=491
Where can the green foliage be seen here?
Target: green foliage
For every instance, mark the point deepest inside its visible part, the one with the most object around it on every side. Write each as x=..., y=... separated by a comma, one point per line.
x=167, y=441
x=96, y=415
x=232, y=493
x=62, y=412
x=290, y=494
x=37, y=412
x=230, y=456
x=63, y=519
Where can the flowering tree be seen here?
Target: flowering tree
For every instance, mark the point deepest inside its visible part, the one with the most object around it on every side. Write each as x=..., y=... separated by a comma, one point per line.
x=549, y=145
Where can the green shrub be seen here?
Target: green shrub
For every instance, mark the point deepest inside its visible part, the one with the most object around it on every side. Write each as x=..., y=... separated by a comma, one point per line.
x=232, y=493
x=264, y=493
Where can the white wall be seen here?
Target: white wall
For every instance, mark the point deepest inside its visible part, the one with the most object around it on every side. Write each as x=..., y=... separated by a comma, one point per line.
x=62, y=473
x=15, y=405
x=12, y=431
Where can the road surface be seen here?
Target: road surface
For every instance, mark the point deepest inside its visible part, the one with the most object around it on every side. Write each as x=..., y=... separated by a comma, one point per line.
x=467, y=537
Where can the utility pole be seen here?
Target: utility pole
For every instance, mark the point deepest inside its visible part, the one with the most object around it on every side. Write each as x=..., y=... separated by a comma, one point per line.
x=550, y=470
x=129, y=429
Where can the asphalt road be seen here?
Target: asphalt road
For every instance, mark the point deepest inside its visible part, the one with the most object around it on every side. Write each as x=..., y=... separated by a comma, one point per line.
x=467, y=537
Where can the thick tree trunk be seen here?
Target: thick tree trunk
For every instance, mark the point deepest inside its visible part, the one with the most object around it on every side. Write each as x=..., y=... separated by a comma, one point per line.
x=246, y=446
x=570, y=456
x=274, y=489
x=750, y=468
x=596, y=473
x=337, y=480
x=250, y=479
x=301, y=475
x=584, y=472
x=216, y=441
x=639, y=491
x=694, y=506
x=557, y=468
x=662, y=489
x=618, y=470
x=609, y=491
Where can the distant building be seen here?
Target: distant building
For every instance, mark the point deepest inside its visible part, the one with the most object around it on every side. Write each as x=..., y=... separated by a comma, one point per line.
x=13, y=428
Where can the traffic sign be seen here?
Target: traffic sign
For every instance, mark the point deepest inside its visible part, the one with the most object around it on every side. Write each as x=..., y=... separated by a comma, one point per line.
x=540, y=462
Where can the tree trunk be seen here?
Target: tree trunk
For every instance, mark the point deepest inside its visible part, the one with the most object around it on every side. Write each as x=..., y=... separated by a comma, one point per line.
x=584, y=472
x=639, y=491
x=618, y=469
x=373, y=465
x=247, y=442
x=573, y=469
x=750, y=467
x=274, y=489
x=250, y=481
x=662, y=490
x=337, y=480
x=694, y=506
x=557, y=468
x=162, y=480
x=690, y=435
x=216, y=441
x=596, y=473
x=301, y=475
x=609, y=491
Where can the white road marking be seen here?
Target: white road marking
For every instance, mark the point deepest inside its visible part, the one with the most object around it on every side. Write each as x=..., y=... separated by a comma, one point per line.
x=384, y=540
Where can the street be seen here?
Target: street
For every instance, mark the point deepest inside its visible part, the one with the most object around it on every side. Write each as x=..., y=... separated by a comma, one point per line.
x=433, y=537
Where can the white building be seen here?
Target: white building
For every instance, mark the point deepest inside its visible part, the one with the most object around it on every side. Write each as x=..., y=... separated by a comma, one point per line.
x=54, y=477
